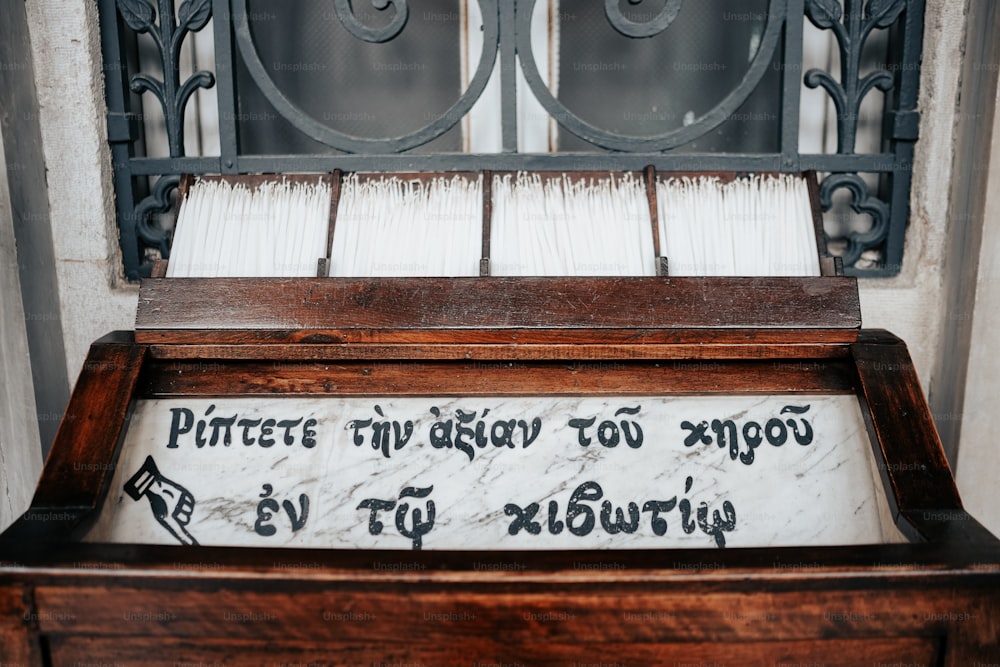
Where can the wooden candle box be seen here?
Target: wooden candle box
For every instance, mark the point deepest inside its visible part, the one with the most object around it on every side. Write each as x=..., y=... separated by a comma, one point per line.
x=928, y=595
x=642, y=471
x=650, y=310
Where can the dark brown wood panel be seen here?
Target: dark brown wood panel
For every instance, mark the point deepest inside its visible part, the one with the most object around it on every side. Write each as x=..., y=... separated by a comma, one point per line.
x=523, y=343
x=911, y=460
x=976, y=562
x=654, y=211
x=935, y=601
x=484, y=651
x=426, y=613
x=812, y=183
x=975, y=638
x=18, y=627
x=492, y=304
x=215, y=377
x=789, y=352
x=86, y=445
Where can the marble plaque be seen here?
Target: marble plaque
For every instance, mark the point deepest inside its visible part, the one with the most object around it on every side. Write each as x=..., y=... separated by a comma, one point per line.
x=497, y=473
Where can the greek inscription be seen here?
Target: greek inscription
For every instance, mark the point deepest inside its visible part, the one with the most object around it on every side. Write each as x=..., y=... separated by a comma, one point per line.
x=381, y=432
x=582, y=515
x=742, y=441
x=465, y=433
x=410, y=524
x=268, y=507
x=211, y=430
x=609, y=433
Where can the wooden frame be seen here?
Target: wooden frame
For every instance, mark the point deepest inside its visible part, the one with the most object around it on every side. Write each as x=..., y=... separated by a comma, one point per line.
x=932, y=600
x=296, y=308
x=638, y=311
x=935, y=600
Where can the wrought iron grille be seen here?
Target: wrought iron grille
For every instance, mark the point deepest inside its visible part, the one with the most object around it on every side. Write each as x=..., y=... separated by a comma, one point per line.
x=875, y=184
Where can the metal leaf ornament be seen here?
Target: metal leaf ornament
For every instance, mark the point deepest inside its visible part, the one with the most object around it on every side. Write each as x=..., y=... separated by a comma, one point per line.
x=824, y=13
x=138, y=14
x=194, y=14
x=884, y=12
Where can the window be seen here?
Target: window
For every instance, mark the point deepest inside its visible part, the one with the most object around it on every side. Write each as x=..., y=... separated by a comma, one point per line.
x=247, y=86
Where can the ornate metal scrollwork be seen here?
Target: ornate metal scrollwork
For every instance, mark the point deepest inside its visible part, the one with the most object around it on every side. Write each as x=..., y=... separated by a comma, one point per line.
x=862, y=202
x=159, y=201
x=661, y=142
x=168, y=35
x=852, y=29
x=345, y=12
x=507, y=30
x=639, y=30
x=350, y=143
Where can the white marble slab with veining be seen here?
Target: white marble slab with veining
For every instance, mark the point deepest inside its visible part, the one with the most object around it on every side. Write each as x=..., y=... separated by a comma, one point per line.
x=825, y=492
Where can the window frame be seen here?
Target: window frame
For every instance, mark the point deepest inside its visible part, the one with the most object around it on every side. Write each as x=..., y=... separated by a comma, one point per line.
x=145, y=186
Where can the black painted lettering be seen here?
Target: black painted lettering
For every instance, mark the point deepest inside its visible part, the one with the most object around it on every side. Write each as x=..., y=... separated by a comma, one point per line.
x=523, y=518
x=181, y=422
x=248, y=424
x=266, y=429
x=586, y=491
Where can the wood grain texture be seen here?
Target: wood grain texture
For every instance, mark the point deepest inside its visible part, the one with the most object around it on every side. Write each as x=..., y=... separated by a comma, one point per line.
x=871, y=567
x=428, y=613
x=533, y=625
x=493, y=378
x=935, y=601
x=911, y=460
x=781, y=353
x=476, y=305
x=537, y=343
x=755, y=606
x=77, y=470
x=827, y=265
x=18, y=627
x=976, y=637
x=489, y=652
x=654, y=212
x=336, y=181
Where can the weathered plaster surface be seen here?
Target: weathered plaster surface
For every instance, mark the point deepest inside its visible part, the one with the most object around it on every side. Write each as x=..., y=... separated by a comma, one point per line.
x=978, y=467
x=20, y=456
x=909, y=305
x=65, y=40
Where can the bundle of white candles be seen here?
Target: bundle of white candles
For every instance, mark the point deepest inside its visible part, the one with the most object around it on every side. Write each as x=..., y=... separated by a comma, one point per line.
x=755, y=226
x=566, y=227
x=390, y=227
x=556, y=226
x=274, y=229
